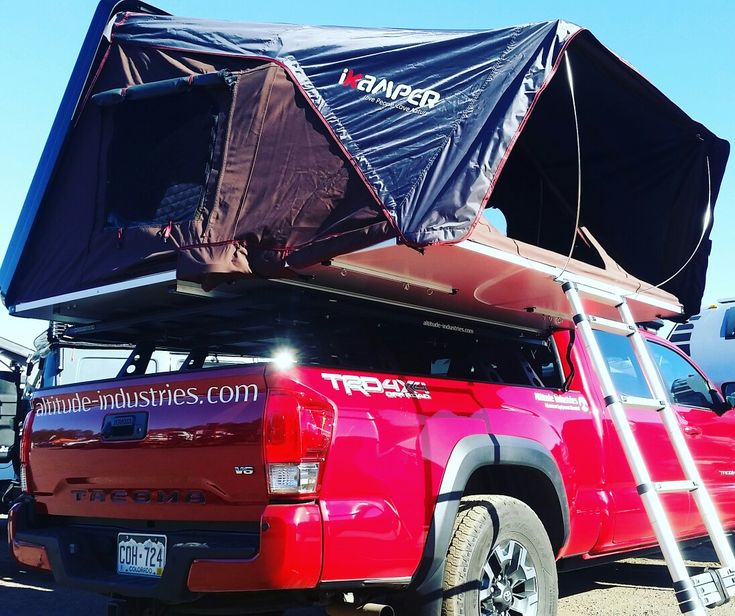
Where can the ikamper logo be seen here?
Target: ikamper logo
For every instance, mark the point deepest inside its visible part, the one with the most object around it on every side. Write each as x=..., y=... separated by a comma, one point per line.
x=378, y=89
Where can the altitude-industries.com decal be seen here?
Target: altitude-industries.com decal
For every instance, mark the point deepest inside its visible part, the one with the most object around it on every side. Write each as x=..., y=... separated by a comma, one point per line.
x=123, y=398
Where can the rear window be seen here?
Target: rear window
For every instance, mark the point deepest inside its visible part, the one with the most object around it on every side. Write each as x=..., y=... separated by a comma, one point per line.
x=423, y=348
x=481, y=358
x=348, y=334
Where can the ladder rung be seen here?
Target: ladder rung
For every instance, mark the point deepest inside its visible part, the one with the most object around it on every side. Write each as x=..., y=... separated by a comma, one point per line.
x=604, y=296
x=668, y=487
x=727, y=575
x=636, y=402
x=708, y=586
x=606, y=325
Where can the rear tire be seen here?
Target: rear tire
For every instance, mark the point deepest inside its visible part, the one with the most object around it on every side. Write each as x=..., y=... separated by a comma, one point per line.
x=500, y=561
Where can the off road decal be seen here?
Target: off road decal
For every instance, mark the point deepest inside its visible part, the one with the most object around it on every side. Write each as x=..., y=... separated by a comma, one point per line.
x=369, y=385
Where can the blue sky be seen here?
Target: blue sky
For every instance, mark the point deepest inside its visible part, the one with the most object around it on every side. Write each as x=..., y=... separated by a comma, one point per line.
x=685, y=48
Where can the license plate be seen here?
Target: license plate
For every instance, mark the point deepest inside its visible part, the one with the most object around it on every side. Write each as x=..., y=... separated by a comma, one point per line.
x=141, y=554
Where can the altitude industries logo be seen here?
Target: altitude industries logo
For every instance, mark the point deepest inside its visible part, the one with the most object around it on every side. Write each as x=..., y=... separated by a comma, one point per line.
x=386, y=92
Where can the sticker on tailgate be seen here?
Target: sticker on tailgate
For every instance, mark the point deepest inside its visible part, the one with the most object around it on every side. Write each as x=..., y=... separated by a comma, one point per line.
x=145, y=396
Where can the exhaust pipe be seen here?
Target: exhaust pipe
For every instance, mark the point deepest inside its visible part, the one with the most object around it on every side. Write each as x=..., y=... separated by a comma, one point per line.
x=367, y=609
x=119, y=606
x=116, y=607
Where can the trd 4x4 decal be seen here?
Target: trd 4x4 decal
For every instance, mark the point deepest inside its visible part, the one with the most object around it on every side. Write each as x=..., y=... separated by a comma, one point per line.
x=367, y=385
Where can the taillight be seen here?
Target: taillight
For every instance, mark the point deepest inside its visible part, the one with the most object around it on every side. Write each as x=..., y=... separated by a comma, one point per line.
x=297, y=433
x=25, y=450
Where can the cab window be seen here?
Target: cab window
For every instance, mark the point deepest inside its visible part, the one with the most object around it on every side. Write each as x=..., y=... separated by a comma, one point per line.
x=684, y=384
x=623, y=365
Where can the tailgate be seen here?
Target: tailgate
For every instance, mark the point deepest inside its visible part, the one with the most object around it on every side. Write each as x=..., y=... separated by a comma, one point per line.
x=161, y=447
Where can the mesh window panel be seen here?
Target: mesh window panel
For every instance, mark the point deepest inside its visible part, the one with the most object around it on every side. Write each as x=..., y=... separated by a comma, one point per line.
x=159, y=158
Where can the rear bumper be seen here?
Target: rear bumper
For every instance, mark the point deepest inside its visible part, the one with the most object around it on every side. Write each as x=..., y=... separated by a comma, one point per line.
x=285, y=553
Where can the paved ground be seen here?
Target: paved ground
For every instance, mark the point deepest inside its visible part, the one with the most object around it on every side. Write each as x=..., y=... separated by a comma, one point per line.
x=636, y=587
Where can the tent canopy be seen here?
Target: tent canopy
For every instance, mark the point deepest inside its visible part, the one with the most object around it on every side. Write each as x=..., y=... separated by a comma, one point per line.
x=284, y=146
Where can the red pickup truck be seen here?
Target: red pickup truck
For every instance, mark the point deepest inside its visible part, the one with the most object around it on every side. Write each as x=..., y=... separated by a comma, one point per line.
x=388, y=458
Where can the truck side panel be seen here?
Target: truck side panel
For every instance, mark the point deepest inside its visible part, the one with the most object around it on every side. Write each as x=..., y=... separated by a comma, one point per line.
x=390, y=452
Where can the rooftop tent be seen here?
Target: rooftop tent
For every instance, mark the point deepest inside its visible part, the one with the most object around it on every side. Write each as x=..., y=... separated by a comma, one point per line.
x=221, y=150
x=647, y=173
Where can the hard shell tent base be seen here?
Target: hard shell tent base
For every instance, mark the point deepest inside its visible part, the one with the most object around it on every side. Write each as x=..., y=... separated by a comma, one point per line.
x=522, y=291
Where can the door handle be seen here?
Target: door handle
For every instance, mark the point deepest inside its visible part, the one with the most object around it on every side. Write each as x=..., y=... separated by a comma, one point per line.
x=692, y=430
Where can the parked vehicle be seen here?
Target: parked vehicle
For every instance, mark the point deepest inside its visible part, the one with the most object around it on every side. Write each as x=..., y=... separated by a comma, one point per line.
x=9, y=396
x=709, y=338
x=13, y=358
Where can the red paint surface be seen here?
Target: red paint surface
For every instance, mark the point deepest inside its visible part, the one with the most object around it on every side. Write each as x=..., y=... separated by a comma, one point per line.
x=30, y=555
x=290, y=555
x=26, y=554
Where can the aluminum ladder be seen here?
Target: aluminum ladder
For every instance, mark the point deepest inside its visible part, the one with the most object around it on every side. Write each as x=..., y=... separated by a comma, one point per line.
x=693, y=593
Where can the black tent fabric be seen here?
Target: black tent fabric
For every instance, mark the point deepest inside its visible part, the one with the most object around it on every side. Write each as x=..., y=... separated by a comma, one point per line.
x=328, y=140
